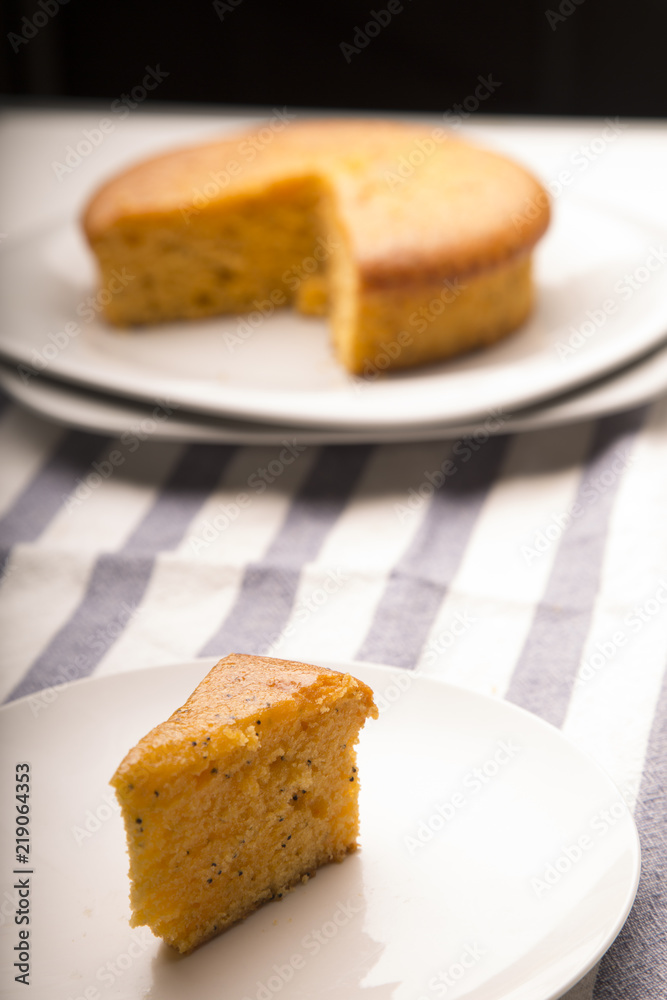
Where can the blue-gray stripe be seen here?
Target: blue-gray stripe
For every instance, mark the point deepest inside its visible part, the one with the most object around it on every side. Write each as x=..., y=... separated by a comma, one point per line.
x=119, y=579
x=43, y=497
x=268, y=588
x=419, y=582
x=636, y=964
x=547, y=667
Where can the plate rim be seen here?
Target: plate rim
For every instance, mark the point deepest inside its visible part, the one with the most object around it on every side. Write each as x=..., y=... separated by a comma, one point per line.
x=128, y=385
x=203, y=426
x=498, y=703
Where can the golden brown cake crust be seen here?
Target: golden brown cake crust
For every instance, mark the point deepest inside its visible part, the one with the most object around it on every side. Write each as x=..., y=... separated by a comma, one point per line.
x=244, y=684
x=454, y=214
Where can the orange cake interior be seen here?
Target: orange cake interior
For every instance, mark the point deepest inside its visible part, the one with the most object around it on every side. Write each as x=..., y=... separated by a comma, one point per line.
x=241, y=794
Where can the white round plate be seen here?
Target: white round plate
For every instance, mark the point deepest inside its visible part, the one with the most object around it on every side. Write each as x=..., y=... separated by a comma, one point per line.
x=285, y=372
x=635, y=385
x=496, y=859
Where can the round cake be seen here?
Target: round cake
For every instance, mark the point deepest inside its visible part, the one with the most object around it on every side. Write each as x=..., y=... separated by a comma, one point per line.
x=416, y=245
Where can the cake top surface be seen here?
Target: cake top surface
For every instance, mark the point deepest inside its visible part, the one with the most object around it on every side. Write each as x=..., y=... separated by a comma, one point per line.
x=237, y=696
x=240, y=684
x=411, y=197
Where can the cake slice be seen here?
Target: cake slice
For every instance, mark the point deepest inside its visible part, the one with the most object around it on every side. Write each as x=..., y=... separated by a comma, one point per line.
x=241, y=794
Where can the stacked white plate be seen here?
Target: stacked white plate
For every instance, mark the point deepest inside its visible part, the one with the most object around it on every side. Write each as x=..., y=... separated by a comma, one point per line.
x=596, y=343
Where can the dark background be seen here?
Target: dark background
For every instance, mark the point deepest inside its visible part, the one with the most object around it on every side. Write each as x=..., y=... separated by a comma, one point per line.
x=589, y=57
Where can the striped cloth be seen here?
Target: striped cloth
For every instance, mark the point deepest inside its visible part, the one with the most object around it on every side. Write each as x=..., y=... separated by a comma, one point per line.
x=534, y=569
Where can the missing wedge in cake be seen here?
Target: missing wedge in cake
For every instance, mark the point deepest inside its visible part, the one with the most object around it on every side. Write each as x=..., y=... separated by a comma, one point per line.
x=241, y=794
x=411, y=273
